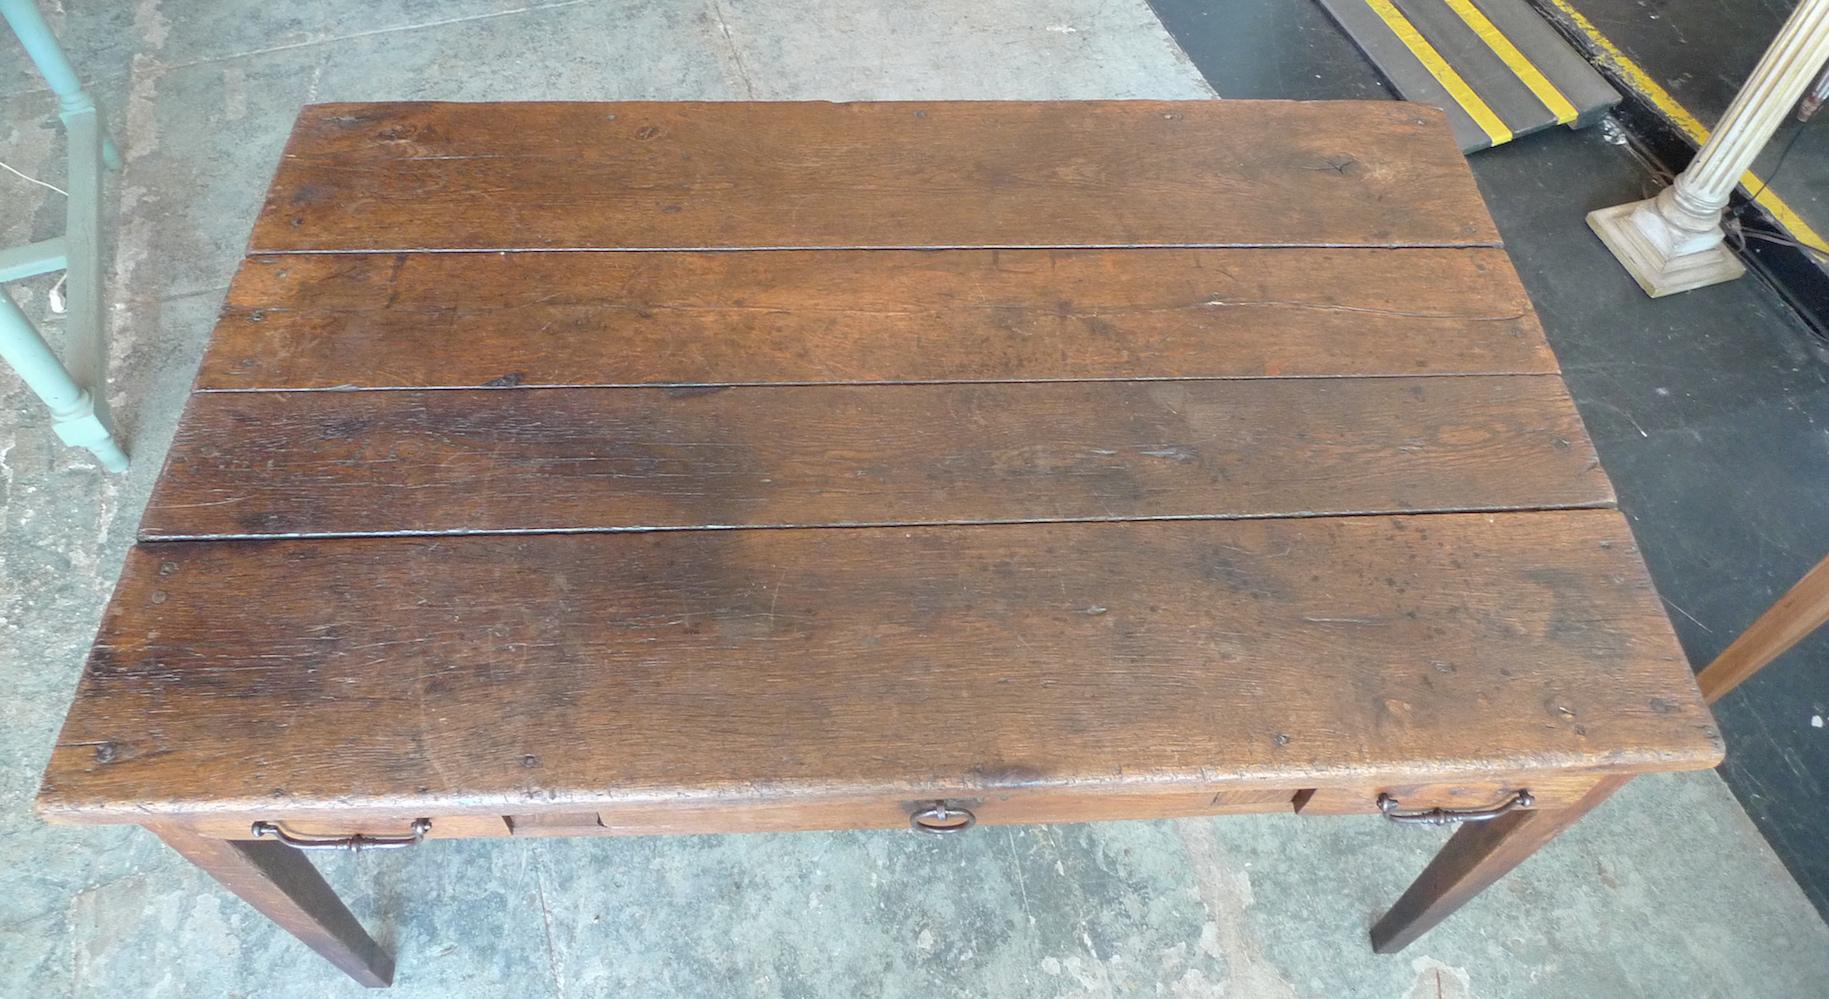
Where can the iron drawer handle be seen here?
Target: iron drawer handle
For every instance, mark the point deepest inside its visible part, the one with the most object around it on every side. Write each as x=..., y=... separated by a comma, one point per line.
x=360, y=841
x=942, y=819
x=1449, y=816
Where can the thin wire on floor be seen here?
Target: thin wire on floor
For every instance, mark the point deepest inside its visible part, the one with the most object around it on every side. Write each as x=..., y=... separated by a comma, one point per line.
x=1737, y=231
x=9, y=168
x=54, y=297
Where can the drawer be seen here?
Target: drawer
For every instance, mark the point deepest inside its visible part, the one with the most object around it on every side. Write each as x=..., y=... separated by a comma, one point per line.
x=1548, y=791
x=442, y=827
x=688, y=818
x=1013, y=808
x=993, y=809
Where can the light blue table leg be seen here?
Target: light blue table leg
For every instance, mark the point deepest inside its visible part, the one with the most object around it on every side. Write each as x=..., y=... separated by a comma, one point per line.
x=76, y=392
x=26, y=21
x=73, y=410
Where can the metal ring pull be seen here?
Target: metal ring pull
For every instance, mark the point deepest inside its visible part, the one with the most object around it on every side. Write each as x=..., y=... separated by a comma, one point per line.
x=942, y=819
x=360, y=841
x=1389, y=806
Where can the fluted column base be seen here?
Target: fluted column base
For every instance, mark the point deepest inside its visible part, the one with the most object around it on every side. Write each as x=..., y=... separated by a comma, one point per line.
x=1663, y=255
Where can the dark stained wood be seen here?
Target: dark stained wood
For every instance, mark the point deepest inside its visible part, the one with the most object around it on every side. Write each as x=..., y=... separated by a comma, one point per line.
x=468, y=674
x=465, y=320
x=1478, y=854
x=1803, y=609
x=279, y=464
x=280, y=883
x=748, y=175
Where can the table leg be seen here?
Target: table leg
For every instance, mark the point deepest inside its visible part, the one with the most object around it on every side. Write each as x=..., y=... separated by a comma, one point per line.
x=77, y=416
x=1478, y=854
x=279, y=882
x=1802, y=610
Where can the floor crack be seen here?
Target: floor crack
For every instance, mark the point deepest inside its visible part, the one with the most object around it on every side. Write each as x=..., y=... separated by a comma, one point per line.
x=546, y=921
x=736, y=57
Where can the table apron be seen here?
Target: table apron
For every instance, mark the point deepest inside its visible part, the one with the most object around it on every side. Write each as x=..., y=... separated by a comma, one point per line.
x=1548, y=791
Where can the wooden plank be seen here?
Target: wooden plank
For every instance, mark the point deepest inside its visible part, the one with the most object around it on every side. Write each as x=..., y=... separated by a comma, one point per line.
x=464, y=320
x=278, y=464
x=482, y=673
x=414, y=176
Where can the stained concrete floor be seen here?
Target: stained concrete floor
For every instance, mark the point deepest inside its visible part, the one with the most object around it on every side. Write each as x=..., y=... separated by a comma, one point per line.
x=1667, y=890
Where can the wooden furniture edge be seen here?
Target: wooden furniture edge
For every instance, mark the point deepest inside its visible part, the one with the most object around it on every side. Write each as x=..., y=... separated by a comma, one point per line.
x=1332, y=794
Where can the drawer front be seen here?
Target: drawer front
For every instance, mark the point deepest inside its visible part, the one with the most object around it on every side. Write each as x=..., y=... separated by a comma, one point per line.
x=1549, y=791
x=674, y=818
x=1028, y=807
x=442, y=827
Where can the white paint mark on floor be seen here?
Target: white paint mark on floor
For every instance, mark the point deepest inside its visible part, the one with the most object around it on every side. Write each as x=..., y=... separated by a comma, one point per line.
x=1225, y=889
x=1435, y=980
x=234, y=93
x=150, y=24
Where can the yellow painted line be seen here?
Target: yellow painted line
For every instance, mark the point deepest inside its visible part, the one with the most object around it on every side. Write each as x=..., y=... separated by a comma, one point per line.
x=1679, y=115
x=1457, y=88
x=1520, y=64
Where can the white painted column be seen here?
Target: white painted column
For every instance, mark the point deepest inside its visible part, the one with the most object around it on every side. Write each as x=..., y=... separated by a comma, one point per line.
x=1674, y=242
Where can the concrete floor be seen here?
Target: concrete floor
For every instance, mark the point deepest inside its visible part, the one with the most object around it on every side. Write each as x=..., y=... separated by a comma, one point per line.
x=1667, y=890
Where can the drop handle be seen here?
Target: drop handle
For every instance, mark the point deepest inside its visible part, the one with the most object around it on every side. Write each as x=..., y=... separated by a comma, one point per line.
x=1392, y=809
x=354, y=844
x=942, y=819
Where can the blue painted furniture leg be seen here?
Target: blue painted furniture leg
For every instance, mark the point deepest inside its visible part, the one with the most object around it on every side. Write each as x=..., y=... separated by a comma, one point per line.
x=76, y=391
x=26, y=21
x=73, y=411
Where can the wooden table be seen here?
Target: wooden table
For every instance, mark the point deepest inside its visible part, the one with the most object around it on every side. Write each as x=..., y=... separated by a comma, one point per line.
x=1029, y=463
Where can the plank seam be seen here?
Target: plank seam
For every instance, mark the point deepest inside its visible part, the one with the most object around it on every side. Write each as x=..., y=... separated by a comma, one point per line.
x=257, y=251
x=145, y=538
x=688, y=386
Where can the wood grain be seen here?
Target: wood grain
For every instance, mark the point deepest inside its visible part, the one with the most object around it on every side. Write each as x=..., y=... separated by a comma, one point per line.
x=315, y=463
x=758, y=175
x=465, y=320
x=453, y=675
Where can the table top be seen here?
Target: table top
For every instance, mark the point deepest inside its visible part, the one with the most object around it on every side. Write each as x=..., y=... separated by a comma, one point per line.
x=559, y=454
